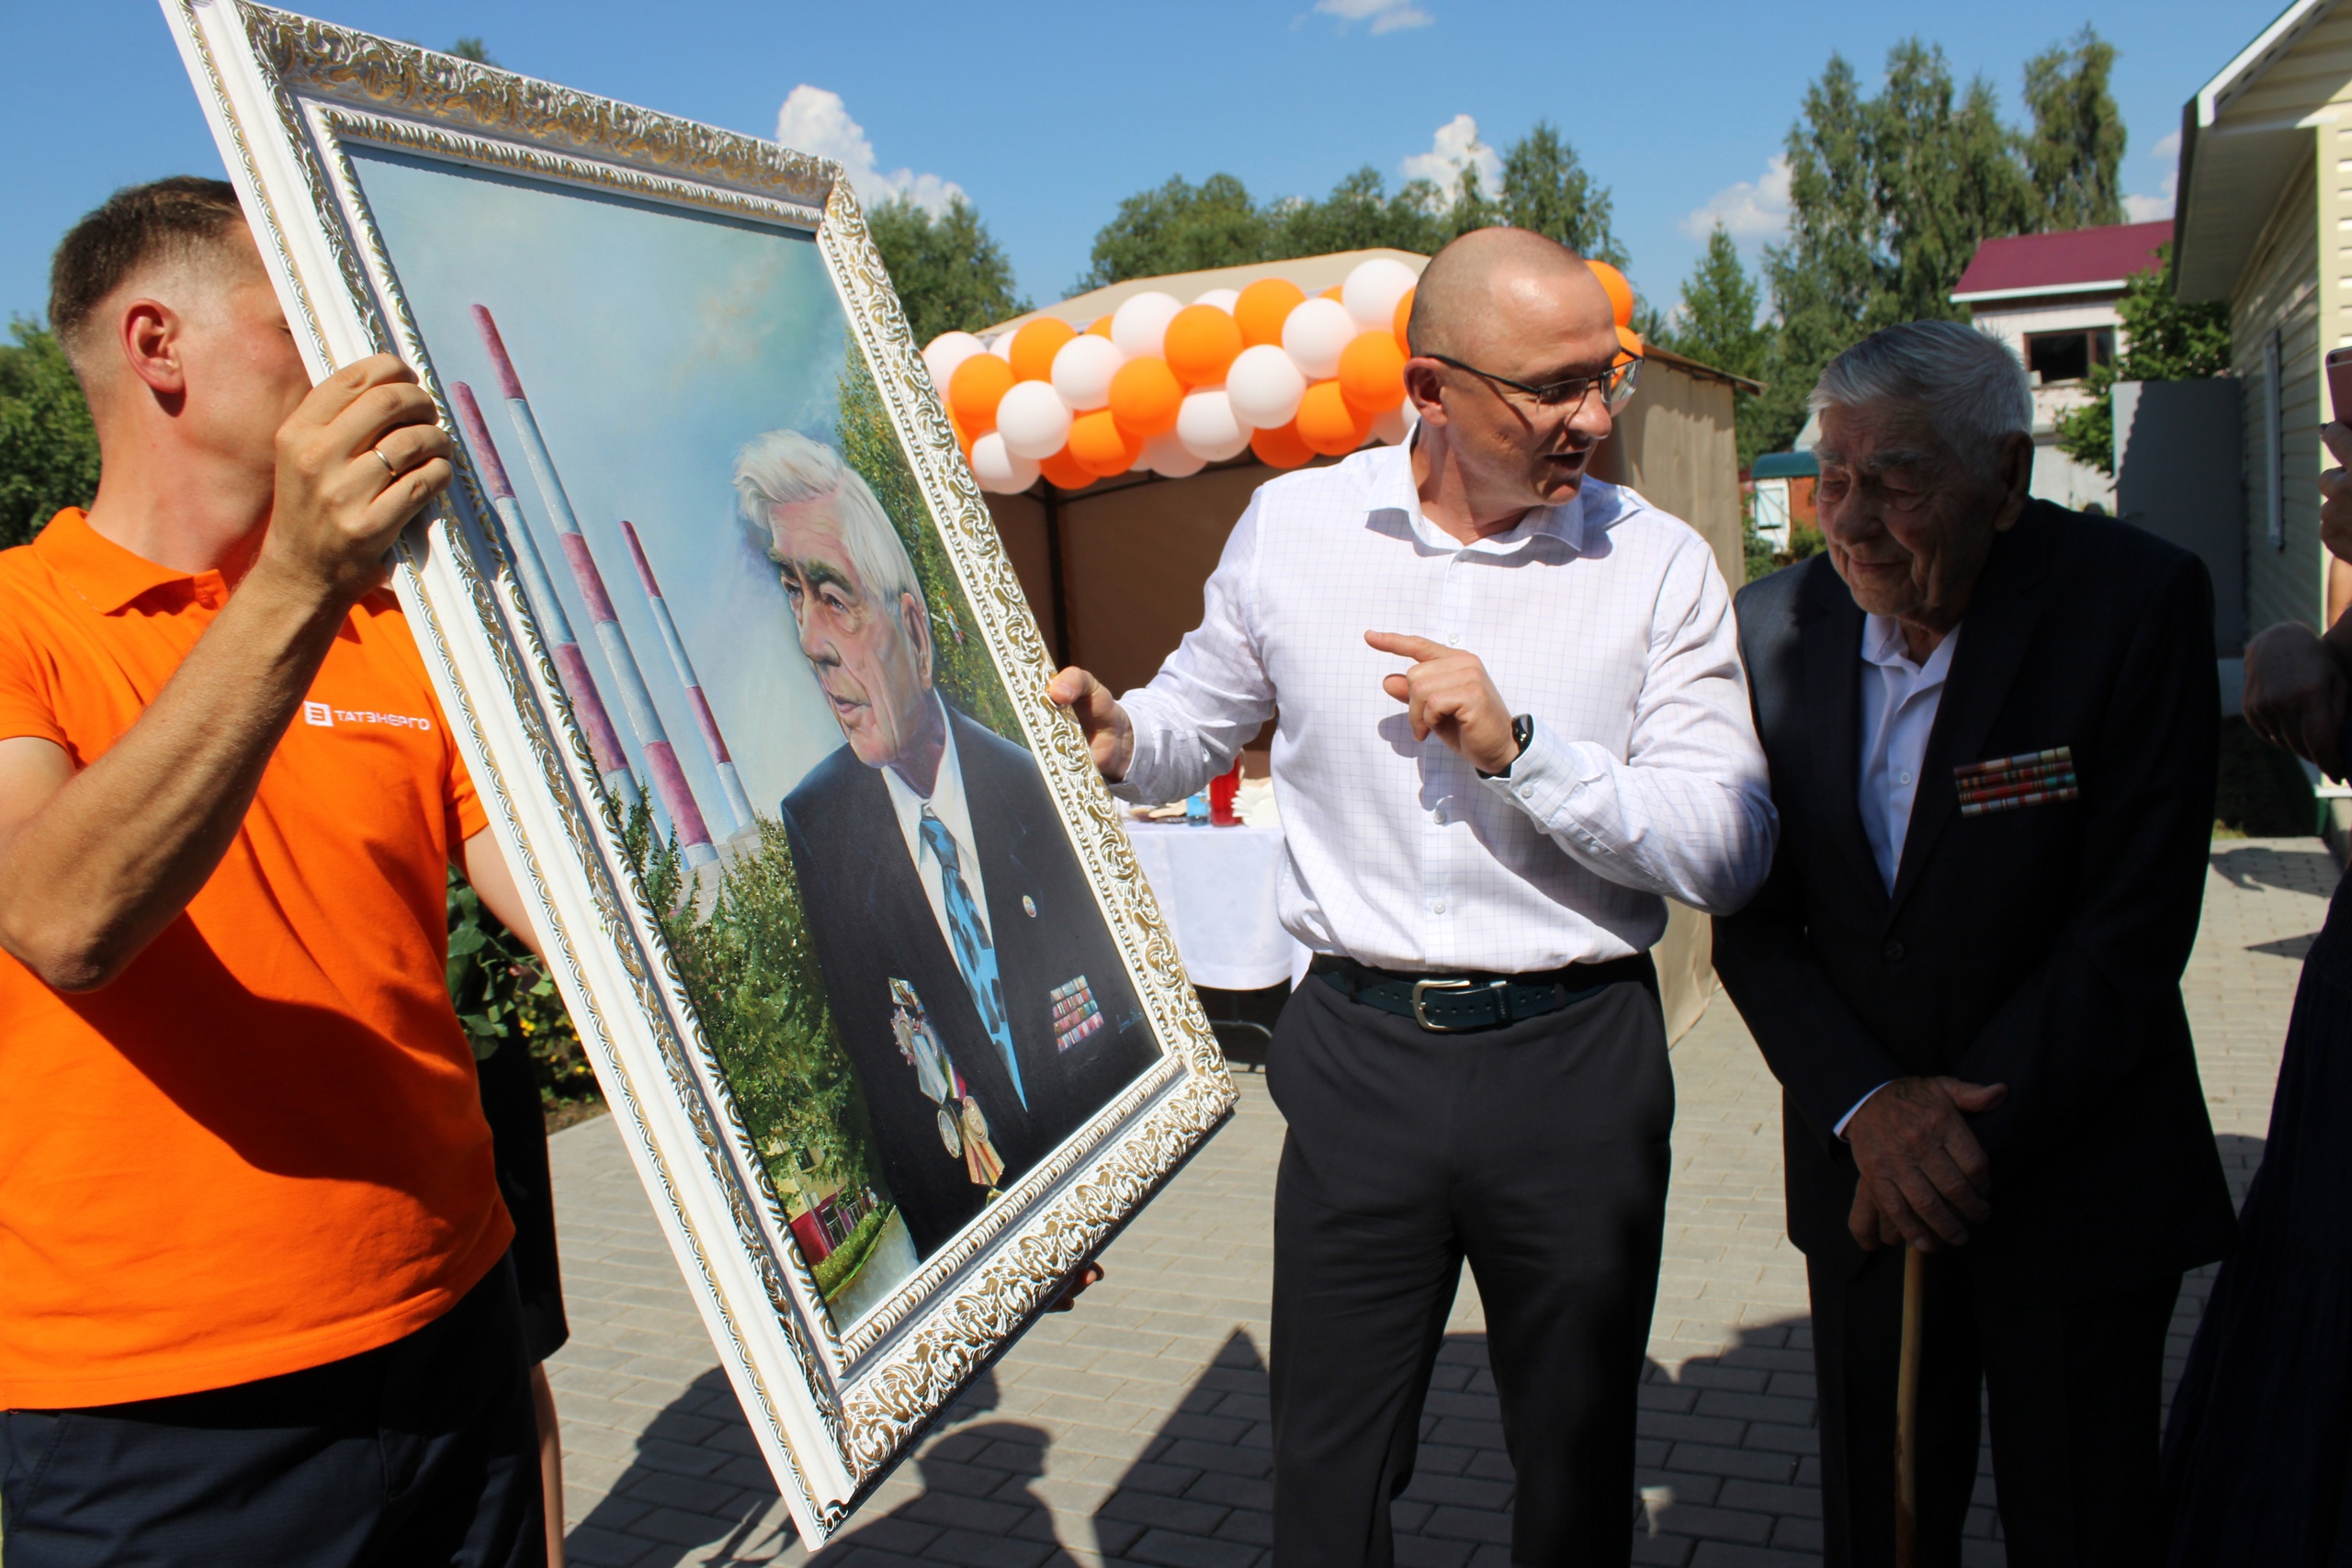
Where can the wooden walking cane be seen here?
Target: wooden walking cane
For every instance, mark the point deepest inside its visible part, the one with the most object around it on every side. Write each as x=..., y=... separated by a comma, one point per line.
x=1906, y=1412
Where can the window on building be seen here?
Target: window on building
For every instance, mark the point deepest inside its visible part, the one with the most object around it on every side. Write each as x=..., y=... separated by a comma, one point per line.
x=2068, y=357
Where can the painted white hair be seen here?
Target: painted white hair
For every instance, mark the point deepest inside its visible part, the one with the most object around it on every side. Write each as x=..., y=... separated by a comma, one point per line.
x=784, y=468
x=1970, y=386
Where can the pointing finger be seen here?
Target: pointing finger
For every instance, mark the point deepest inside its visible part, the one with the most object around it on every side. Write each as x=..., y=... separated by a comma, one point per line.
x=1405, y=646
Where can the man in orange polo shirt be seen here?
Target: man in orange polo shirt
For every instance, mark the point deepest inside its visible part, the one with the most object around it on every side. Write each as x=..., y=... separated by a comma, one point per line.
x=254, y=1301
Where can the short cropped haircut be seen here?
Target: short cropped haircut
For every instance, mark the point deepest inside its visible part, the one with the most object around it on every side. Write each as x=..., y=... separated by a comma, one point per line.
x=173, y=219
x=1970, y=386
x=784, y=468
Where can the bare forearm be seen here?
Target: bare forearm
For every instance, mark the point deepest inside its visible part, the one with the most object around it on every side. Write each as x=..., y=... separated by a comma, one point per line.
x=95, y=874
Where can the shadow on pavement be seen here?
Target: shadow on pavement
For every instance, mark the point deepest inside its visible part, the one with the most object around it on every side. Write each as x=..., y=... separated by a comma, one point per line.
x=2312, y=871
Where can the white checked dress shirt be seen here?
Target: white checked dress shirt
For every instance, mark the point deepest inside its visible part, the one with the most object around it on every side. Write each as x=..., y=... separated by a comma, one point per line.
x=1604, y=619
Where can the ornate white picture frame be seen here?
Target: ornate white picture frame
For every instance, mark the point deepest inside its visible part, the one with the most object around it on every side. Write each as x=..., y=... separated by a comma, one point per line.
x=330, y=136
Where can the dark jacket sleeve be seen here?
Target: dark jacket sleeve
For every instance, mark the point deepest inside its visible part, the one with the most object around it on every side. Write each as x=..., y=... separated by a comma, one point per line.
x=2111, y=984
x=1823, y=1054
x=1814, y=1042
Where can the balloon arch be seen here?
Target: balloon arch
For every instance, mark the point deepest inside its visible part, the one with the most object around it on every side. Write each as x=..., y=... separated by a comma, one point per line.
x=1160, y=386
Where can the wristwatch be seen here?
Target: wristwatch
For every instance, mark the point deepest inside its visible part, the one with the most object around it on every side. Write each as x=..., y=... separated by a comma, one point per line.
x=1522, y=731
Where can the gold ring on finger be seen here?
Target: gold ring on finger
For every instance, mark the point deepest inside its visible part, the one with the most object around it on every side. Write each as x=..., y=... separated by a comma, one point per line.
x=386, y=462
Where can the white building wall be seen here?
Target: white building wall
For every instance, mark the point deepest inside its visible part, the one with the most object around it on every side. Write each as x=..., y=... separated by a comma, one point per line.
x=2056, y=477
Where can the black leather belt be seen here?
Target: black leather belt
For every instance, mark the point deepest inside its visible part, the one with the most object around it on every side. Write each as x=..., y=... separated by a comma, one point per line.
x=1458, y=1004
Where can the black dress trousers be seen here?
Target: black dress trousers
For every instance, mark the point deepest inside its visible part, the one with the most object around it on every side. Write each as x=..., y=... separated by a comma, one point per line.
x=1539, y=1152
x=2074, y=1393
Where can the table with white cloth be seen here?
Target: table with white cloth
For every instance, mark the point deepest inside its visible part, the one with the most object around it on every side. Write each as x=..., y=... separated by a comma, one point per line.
x=1216, y=885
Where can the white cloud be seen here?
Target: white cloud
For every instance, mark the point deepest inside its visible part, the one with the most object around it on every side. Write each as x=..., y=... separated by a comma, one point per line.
x=815, y=122
x=1749, y=211
x=2153, y=208
x=1386, y=15
x=1455, y=144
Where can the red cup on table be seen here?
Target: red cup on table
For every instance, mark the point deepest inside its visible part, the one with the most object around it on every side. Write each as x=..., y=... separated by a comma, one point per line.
x=1222, y=790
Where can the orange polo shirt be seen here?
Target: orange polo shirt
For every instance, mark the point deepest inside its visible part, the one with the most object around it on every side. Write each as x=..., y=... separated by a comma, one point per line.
x=261, y=1148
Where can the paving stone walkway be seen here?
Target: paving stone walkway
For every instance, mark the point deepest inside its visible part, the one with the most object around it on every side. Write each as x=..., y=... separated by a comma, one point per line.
x=1135, y=1429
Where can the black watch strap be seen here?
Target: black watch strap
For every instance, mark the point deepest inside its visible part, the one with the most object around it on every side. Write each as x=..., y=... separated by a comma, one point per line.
x=1522, y=731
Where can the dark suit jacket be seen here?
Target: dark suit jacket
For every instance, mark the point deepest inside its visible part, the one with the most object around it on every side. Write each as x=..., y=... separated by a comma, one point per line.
x=871, y=923
x=2041, y=948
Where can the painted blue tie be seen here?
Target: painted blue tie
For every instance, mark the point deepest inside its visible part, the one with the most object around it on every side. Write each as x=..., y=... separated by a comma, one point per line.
x=975, y=954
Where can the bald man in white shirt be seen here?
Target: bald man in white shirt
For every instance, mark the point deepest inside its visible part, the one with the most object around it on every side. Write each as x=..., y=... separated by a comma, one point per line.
x=1512, y=723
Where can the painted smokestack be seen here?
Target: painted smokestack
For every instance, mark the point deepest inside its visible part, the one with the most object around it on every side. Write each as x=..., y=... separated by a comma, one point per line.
x=669, y=780
x=729, y=783
x=603, y=745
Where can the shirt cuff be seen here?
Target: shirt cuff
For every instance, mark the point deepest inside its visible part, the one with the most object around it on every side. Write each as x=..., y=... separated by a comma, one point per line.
x=1839, y=1130
x=1544, y=775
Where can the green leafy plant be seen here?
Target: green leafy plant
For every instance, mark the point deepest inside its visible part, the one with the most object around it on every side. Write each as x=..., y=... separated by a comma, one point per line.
x=949, y=274
x=49, y=448
x=502, y=993
x=838, y=1267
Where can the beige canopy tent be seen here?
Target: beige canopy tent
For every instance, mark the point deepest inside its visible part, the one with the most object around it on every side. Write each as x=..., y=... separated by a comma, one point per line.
x=1115, y=572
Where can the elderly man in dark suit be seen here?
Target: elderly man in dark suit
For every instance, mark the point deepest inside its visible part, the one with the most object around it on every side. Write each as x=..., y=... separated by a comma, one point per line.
x=969, y=970
x=1992, y=726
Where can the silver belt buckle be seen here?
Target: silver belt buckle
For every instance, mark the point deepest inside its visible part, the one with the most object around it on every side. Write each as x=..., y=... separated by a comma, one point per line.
x=1421, y=1010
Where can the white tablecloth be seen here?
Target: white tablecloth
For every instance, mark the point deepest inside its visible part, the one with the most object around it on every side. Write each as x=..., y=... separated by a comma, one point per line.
x=1216, y=887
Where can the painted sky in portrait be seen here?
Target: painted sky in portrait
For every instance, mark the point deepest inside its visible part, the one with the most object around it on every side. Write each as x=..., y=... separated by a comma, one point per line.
x=652, y=342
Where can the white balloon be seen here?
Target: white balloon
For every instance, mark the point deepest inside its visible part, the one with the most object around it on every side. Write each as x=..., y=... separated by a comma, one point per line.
x=1000, y=471
x=1393, y=426
x=1001, y=347
x=1315, y=333
x=1223, y=298
x=1083, y=370
x=1205, y=423
x=1034, y=420
x=948, y=350
x=1263, y=387
x=1139, y=326
x=1168, y=457
x=1372, y=290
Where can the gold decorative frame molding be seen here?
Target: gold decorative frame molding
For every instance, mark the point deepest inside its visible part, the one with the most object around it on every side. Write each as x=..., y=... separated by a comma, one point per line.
x=833, y=1409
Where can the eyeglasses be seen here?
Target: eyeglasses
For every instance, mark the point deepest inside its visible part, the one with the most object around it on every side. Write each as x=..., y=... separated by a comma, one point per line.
x=1616, y=384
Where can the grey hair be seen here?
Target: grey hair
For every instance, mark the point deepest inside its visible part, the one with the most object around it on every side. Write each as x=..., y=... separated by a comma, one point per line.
x=784, y=468
x=1970, y=385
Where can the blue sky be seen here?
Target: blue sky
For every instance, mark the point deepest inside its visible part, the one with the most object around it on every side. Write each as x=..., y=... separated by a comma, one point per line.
x=1046, y=114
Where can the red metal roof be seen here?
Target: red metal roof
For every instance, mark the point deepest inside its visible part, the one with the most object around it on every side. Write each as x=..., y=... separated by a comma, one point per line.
x=2075, y=262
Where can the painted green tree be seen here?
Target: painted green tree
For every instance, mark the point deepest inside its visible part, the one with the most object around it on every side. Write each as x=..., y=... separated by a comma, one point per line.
x=961, y=667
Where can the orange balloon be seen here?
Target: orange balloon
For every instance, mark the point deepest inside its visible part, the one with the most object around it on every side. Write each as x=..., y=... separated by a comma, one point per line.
x=1035, y=345
x=1328, y=424
x=1629, y=345
x=1621, y=293
x=1335, y=292
x=1202, y=342
x=1100, y=446
x=1145, y=397
x=978, y=386
x=1100, y=326
x=1262, y=308
x=1062, y=471
x=1372, y=372
x=1404, y=316
x=964, y=439
x=1280, y=448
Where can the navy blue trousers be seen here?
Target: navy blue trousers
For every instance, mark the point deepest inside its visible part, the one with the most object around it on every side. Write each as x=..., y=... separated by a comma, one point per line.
x=422, y=1451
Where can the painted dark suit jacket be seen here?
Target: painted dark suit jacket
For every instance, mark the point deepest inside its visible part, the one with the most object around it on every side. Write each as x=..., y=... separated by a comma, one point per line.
x=871, y=923
x=2041, y=947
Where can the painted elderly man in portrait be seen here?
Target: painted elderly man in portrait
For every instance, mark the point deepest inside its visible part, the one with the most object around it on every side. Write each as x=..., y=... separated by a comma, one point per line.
x=969, y=971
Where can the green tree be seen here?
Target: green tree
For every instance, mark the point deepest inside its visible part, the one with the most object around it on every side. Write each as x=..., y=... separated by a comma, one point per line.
x=1717, y=325
x=1178, y=228
x=48, y=450
x=1545, y=189
x=1360, y=214
x=950, y=273
x=2163, y=340
x=1889, y=198
x=472, y=49
x=2074, y=152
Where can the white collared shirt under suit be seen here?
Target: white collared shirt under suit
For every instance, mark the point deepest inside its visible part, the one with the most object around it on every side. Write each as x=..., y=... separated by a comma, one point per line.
x=1536, y=1148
